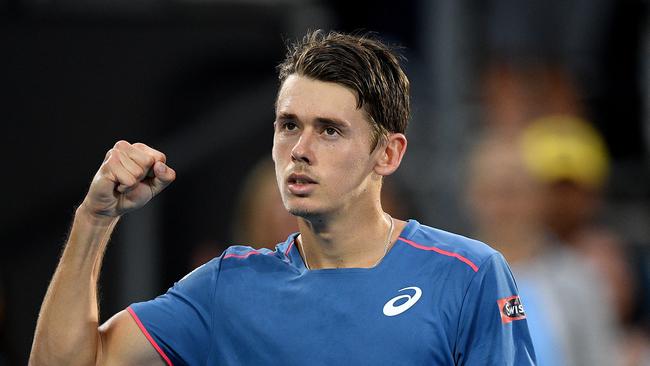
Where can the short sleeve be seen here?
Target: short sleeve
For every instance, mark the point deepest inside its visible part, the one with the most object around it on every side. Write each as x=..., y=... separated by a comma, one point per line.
x=493, y=329
x=179, y=323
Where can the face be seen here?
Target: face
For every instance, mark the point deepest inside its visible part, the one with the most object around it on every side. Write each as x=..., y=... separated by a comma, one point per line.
x=321, y=148
x=502, y=193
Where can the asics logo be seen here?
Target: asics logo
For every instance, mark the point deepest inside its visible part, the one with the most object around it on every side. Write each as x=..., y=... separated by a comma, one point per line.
x=391, y=310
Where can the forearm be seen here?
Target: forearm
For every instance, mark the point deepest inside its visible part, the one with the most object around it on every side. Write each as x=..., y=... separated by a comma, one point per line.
x=66, y=332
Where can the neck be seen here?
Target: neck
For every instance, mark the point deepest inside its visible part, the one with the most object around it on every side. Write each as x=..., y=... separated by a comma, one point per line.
x=355, y=240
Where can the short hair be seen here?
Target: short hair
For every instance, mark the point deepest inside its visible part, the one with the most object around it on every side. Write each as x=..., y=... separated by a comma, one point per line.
x=361, y=63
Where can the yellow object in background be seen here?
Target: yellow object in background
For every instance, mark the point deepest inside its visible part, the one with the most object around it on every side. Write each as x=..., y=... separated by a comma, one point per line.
x=565, y=148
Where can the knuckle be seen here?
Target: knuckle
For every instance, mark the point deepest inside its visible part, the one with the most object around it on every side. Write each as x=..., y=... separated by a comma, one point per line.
x=163, y=157
x=121, y=144
x=114, y=156
x=150, y=160
x=113, y=163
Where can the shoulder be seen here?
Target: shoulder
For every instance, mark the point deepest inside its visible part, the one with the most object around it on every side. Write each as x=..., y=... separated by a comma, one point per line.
x=472, y=253
x=246, y=255
x=243, y=252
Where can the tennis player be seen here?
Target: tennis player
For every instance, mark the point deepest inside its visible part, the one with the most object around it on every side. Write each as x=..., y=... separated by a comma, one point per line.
x=353, y=287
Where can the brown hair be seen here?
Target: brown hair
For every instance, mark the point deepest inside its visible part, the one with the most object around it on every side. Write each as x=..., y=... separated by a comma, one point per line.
x=361, y=63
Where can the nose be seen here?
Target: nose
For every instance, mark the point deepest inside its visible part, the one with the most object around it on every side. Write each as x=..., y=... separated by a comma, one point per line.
x=303, y=150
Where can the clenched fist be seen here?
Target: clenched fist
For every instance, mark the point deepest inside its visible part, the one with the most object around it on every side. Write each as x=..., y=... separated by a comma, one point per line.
x=130, y=176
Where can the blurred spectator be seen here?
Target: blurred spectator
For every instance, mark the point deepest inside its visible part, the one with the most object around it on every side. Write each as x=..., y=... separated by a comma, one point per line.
x=548, y=63
x=570, y=318
x=569, y=158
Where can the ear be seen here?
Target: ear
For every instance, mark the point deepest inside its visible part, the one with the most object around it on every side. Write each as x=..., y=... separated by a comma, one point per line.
x=390, y=154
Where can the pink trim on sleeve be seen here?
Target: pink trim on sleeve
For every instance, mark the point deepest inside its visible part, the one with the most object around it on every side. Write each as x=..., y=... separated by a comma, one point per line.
x=441, y=251
x=149, y=337
x=241, y=256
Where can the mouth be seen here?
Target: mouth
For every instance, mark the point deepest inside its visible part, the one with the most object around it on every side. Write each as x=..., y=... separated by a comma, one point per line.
x=300, y=184
x=300, y=179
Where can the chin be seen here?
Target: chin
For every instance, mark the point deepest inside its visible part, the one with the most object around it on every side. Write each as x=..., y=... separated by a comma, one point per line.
x=303, y=212
x=304, y=207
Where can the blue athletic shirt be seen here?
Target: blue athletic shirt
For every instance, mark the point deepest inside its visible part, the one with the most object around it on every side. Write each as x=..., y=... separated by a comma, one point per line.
x=436, y=298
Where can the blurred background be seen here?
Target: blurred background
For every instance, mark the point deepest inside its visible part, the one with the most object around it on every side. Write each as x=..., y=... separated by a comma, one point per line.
x=530, y=131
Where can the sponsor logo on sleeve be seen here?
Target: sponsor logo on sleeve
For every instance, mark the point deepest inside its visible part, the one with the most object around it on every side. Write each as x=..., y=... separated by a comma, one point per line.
x=511, y=309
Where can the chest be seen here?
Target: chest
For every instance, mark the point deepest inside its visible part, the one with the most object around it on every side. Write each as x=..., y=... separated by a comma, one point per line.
x=335, y=317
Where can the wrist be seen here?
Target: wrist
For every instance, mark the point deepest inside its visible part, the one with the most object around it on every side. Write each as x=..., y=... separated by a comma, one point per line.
x=93, y=218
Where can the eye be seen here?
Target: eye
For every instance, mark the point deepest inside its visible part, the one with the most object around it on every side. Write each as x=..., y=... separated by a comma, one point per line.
x=331, y=131
x=288, y=126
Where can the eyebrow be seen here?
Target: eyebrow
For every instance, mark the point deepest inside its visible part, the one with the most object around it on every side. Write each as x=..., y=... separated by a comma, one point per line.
x=286, y=116
x=332, y=121
x=319, y=120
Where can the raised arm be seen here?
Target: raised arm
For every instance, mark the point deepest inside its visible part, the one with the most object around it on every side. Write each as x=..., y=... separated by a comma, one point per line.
x=68, y=332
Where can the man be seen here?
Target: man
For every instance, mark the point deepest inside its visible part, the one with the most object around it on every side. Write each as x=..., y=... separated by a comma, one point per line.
x=507, y=203
x=353, y=286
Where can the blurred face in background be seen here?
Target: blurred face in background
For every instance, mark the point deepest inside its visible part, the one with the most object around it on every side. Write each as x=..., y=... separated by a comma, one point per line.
x=503, y=198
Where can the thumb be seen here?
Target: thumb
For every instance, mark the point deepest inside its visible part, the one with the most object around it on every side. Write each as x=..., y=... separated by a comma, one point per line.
x=163, y=176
